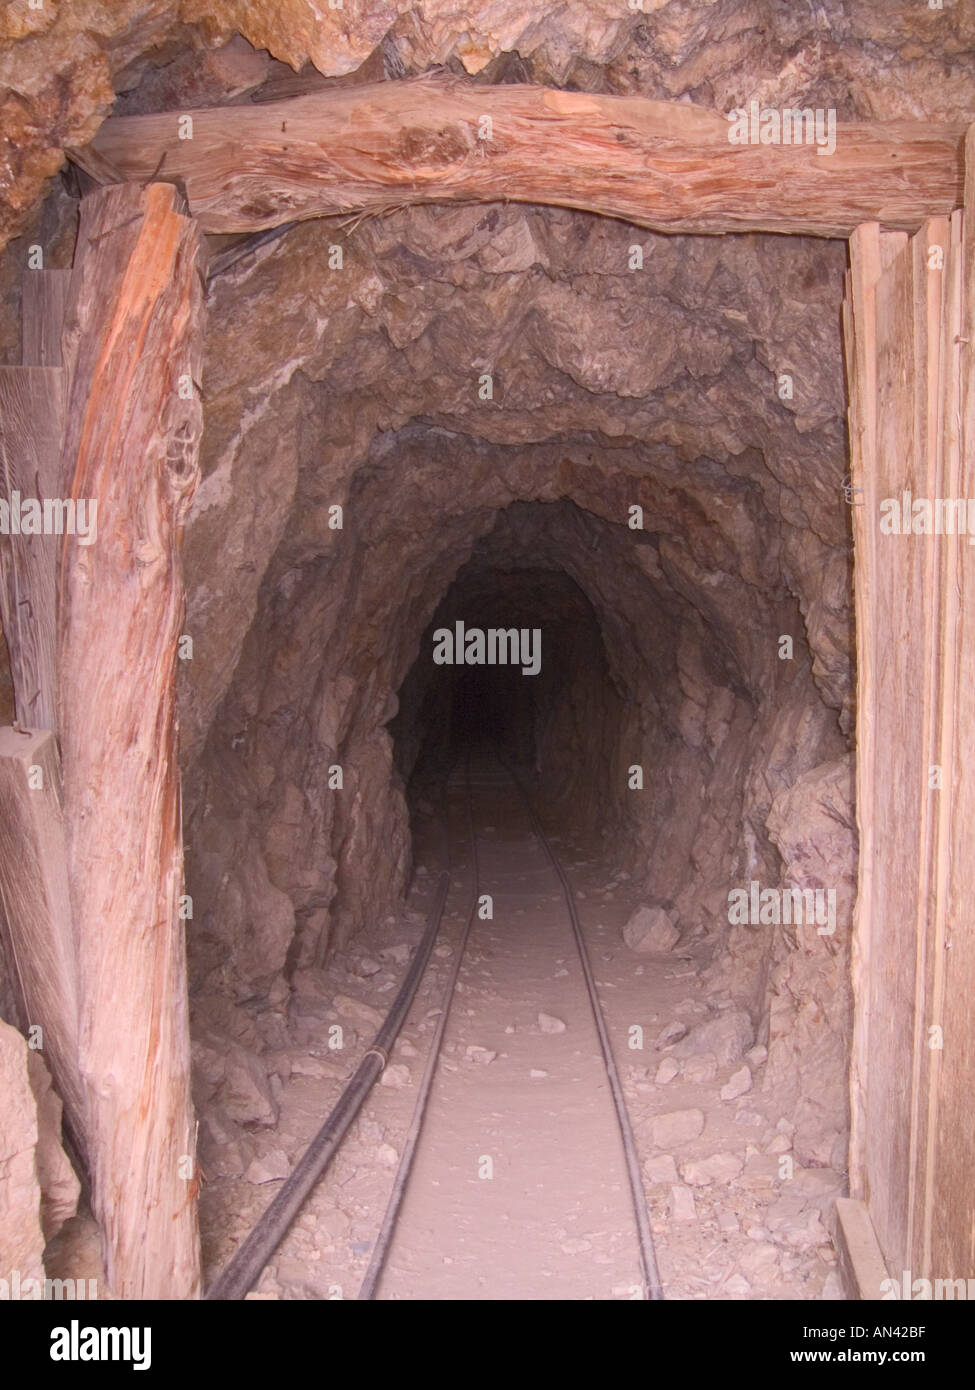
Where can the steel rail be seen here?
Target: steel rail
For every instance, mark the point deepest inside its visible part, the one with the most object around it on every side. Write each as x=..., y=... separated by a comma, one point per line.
x=244, y=1269
x=385, y=1238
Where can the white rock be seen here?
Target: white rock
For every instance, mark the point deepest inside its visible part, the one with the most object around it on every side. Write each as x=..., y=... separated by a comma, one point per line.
x=666, y=1072
x=701, y=1069
x=737, y=1084
x=397, y=1076
x=484, y=1055
x=650, y=929
x=676, y=1127
x=680, y=1206
x=728, y=1036
x=387, y=1156
x=536, y=1074
x=716, y=1168
x=550, y=1024
x=660, y=1168
x=354, y=1008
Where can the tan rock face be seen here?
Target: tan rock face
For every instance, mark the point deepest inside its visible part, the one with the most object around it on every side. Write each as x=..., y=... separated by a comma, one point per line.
x=38, y=1187
x=59, y=64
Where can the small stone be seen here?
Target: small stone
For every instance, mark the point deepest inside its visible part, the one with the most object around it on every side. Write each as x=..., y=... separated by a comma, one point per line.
x=699, y=1172
x=817, y=1184
x=650, y=929
x=728, y=1036
x=701, y=1069
x=728, y=1222
x=757, y=1055
x=670, y=1033
x=737, y=1085
x=397, y=1076
x=666, y=1072
x=676, y=1127
x=387, y=1156
x=660, y=1168
x=484, y=1055
x=354, y=1008
x=398, y=954
x=368, y=967
x=550, y=1024
x=680, y=1206
x=269, y=1167
x=536, y=1074
x=761, y=1173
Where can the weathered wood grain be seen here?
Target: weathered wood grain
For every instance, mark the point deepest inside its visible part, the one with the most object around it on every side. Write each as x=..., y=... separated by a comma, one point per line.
x=31, y=409
x=133, y=330
x=668, y=166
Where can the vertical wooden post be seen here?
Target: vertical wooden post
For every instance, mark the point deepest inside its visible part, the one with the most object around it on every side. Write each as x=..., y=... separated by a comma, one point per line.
x=35, y=919
x=910, y=330
x=133, y=336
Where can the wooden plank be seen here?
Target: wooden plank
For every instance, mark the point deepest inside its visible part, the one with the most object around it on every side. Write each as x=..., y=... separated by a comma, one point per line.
x=669, y=166
x=31, y=405
x=861, y=1264
x=133, y=331
x=45, y=294
x=34, y=894
x=860, y=349
x=952, y=1238
x=902, y=590
x=934, y=260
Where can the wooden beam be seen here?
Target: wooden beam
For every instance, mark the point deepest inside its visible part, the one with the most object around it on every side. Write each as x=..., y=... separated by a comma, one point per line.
x=132, y=343
x=863, y=1273
x=669, y=166
x=31, y=405
x=34, y=894
x=43, y=300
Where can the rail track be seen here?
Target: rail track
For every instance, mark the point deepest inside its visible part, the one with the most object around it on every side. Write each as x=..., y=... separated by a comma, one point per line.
x=245, y=1268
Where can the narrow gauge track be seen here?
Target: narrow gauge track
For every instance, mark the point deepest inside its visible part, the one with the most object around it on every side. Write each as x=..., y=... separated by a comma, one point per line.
x=254, y=1253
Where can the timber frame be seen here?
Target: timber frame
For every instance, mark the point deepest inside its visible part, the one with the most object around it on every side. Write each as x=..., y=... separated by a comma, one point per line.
x=91, y=862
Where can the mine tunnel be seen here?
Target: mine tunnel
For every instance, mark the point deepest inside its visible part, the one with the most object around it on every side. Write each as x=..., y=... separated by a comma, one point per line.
x=492, y=573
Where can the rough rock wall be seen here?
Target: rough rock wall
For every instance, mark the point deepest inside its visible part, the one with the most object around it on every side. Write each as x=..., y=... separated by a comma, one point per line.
x=38, y=1186
x=61, y=64
x=612, y=386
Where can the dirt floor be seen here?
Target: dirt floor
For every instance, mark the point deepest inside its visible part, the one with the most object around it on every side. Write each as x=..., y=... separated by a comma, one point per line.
x=519, y=1188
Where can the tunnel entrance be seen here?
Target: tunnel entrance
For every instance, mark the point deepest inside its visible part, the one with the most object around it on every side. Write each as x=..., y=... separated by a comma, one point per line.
x=513, y=664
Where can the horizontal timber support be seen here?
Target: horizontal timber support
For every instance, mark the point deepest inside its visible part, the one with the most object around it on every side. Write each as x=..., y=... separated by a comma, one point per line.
x=667, y=166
